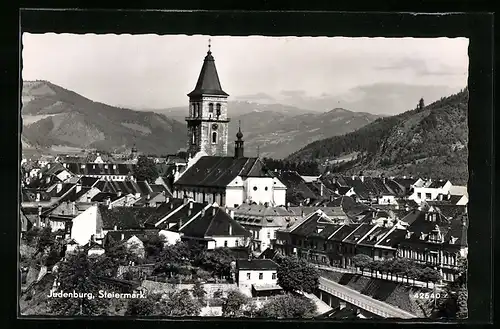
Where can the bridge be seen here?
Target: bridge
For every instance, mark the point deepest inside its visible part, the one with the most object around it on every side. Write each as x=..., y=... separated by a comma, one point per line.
x=361, y=301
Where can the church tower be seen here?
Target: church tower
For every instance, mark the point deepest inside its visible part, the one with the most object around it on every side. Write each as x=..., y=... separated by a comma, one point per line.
x=207, y=122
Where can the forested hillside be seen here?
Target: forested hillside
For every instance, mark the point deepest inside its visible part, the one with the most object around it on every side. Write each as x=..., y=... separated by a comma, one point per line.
x=431, y=141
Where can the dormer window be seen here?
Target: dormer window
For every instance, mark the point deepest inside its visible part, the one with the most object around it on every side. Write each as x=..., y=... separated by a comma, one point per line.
x=105, y=166
x=453, y=240
x=408, y=235
x=211, y=108
x=319, y=229
x=82, y=166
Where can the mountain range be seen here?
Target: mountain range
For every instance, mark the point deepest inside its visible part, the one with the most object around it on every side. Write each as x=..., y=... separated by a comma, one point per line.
x=429, y=142
x=54, y=117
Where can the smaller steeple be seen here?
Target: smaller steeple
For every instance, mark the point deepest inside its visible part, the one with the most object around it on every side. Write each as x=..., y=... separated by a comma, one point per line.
x=238, y=144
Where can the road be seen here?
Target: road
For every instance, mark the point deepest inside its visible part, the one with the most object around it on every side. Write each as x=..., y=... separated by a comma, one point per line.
x=362, y=301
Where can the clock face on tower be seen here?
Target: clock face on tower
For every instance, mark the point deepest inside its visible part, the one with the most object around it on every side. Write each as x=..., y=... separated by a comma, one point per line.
x=214, y=126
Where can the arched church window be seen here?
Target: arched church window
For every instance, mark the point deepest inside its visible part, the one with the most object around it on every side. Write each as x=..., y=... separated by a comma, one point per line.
x=193, y=141
x=211, y=107
x=214, y=137
x=218, y=109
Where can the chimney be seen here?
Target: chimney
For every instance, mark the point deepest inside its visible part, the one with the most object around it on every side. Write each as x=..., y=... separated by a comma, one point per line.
x=119, y=193
x=48, y=165
x=191, y=205
x=231, y=213
x=167, y=199
x=115, y=228
x=203, y=212
x=180, y=222
x=78, y=187
x=331, y=198
x=171, y=206
x=108, y=201
x=92, y=238
x=148, y=196
x=73, y=208
x=59, y=187
x=230, y=229
x=88, y=198
x=37, y=197
x=213, y=211
x=320, y=189
x=123, y=237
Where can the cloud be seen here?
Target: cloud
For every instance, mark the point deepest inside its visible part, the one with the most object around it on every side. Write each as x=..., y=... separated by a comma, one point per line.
x=293, y=93
x=254, y=97
x=420, y=67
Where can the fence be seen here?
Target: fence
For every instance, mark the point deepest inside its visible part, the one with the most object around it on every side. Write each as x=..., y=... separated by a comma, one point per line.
x=382, y=276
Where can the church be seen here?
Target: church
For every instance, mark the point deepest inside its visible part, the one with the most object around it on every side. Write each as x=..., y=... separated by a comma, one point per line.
x=210, y=174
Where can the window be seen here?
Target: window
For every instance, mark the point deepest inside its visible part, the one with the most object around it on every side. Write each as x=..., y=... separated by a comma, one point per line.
x=237, y=243
x=274, y=234
x=261, y=276
x=225, y=243
x=248, y=276
x=265, y=188
x=214, y=137
x=428, y=196
x=211, y=108
x=193, y=140
x=255, y=188
x=268, y=234
x=419, y=195
x=218, y=106
x=274, y=276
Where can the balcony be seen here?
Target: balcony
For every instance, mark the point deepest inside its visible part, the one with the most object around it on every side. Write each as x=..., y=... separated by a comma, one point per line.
x=206, y=119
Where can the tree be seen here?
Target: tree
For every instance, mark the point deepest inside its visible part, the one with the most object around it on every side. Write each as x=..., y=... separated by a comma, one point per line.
x=288, y=306
x=233, y=304
x=76, y=274
x=145, y=170
x=297, y=275
x=31, y=235
x=46, y=239
x=198, y=290
x=421, y=104
x=172, y=257
x=217, y=261
x=362, y=261
x=153, y=246
x=180, y=303
x=142, y=307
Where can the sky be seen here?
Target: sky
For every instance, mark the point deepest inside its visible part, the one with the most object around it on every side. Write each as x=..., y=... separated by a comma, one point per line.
x=152, y=72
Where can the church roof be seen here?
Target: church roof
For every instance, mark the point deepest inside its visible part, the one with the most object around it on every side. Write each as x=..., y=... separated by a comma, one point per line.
x=219, y=171
x=208, y=81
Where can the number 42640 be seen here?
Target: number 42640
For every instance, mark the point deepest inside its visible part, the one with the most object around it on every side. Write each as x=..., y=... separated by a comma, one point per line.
x=427, y=295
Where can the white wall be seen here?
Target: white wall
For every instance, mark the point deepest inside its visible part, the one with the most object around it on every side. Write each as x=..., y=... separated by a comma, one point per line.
x=96, y=252
x=280, y=197
x=387, y=199
x=170, y=237
x=234, y=196
x=64, y=175
x=84, y=226
x=56, y=225
x=232, y=241
x=267, y=278
x=260, y=194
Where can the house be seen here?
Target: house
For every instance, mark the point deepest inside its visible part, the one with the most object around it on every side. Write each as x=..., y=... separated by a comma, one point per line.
x=71, y=247
x=86, y=226
x=135, y=246
x=92, y=248
x=263, y=221
x=435, y=240
x=214, y=227
x=61, y=217
x=430, y=190
x=257, y=277
x=308, y=238
x=229, y=181
x=112, y=172
x=297, y=192
x=370, y=244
